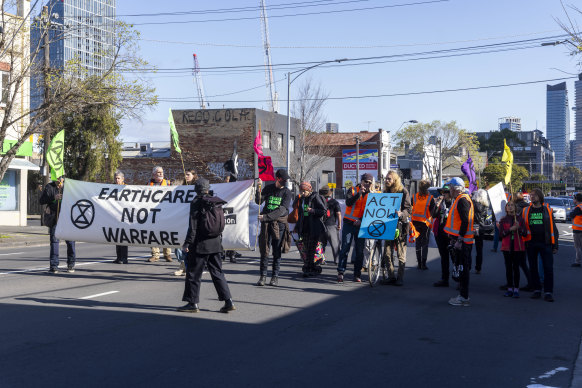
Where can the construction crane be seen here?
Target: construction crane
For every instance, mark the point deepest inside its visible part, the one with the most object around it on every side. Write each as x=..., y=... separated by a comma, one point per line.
x=273, y=96
x=199, y=85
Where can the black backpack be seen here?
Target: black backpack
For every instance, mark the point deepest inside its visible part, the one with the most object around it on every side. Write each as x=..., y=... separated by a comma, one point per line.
x=211, y=219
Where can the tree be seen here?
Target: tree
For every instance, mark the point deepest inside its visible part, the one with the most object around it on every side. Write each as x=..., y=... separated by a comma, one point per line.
x=495, y=172
x=572, y=28
x=495, y=141
x=453, y=141
x=545, y=187
x=568, y=174
x=71, y=90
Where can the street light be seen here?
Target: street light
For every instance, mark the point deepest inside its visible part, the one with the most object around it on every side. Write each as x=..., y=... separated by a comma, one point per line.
x=289, y=82
x=390, y=144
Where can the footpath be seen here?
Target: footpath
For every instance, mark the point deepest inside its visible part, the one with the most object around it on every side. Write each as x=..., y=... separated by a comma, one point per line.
x=32, y=235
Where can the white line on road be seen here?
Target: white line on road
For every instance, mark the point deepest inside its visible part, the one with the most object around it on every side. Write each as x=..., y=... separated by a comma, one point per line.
x=38, y=269
x=98, y=295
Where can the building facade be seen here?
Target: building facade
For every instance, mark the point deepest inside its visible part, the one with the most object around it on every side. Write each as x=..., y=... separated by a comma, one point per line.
x=577, y=108
x=511, y=123
x=332, y=127
x=558, y=121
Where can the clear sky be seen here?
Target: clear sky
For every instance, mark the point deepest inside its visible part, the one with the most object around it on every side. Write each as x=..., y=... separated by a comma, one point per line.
x=358, y=29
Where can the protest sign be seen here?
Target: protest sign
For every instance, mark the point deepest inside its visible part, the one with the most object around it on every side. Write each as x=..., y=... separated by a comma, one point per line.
x=498, y=200
x=380, y=216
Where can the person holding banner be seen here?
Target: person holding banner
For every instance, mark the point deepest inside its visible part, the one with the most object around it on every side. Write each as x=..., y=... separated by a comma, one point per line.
x=355, y=204
x=159, y=180
x=393, y=184
x=120, y=250
x=190, y=177
x=274, y=226
x=423, y=206
x=51, y=197
x=462, y=233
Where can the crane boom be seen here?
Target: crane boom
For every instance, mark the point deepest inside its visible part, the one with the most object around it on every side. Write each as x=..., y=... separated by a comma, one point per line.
x=199, y=85
x=273, y=96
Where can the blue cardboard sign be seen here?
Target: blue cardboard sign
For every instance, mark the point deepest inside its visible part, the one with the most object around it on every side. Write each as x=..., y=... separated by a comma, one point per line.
x=380, y=216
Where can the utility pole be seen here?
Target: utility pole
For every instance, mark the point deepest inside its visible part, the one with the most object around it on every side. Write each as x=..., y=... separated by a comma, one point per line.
x=45, y=21
x=357, y=160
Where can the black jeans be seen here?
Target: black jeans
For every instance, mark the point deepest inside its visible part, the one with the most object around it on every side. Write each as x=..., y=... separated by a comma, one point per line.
x=535, y=248
x=464, y=258
x=276, y=245
x=479, y=252
x=195, y=267
x=421, y=242
x=442, y=241
x=513, y=260
x=122, y=252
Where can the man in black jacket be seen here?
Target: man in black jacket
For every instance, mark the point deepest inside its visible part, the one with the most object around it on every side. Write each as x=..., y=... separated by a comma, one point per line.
x=52, y=196
x=203, y=250
x=274, y=224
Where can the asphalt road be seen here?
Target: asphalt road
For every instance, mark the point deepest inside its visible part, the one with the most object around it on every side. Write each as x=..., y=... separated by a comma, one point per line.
x=116, y=326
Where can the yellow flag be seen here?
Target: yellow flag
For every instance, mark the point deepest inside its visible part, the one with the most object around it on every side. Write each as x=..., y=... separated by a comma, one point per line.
x=507, y=158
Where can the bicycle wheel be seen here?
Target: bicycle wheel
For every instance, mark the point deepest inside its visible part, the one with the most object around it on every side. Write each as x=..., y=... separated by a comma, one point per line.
x=374, y=263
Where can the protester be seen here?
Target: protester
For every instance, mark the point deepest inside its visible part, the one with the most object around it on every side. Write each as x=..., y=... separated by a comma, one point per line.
x=159, y=180
x=189, y=179
x=576, y=216
x=462, y=234
x=423, y=205
x=274, y=226
x=393, y=184
x=232, y=175
x=512, y=231
x=120, y=250
x=310, y=228
x=203, y=245
x=333, y=223
x=355, y=204
x=443, y=204
x=481, y=205
x=541, y=240
x=52, y=196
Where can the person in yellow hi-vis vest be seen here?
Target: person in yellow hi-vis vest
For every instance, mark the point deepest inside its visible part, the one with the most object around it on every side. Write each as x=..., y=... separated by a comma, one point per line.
x=423, y=205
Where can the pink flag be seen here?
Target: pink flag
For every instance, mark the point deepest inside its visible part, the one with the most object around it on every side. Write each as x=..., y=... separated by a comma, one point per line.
x=258, y=145
x=266, y=172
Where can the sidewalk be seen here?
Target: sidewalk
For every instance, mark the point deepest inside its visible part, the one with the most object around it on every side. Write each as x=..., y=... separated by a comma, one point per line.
x=24, y=236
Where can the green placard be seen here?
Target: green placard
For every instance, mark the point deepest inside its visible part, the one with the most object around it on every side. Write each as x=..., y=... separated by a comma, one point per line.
x=24, y=150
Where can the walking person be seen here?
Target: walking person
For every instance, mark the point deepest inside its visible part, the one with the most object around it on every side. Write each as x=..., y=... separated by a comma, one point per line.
x=423, y=206
x=159, y=180
x=52, y=196
x=393, y=184
x=274, y=226
x=512, y=231
x=462, y=234
x=333, y=224
x=541, y=240
x=481, y=204
x=189, y=179
x=203, y=245
x=310, y=227
x=576, y=216
x=443, y=204
x=121, y=251
x=356, y=198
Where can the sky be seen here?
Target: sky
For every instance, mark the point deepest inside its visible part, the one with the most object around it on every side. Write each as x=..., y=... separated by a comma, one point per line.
x=362, y=95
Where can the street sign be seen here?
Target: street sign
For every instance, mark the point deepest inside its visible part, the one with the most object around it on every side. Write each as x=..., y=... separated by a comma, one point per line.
x=394, y=166
x=331, y=185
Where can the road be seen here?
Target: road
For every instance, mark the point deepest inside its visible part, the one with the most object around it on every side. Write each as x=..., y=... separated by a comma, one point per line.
x=116, y=326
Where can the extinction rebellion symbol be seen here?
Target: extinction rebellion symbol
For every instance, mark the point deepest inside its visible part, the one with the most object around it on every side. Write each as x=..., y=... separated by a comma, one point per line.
x=377, y=228
x=83, y=214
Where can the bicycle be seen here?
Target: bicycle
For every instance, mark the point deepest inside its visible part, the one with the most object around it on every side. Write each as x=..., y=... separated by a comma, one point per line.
x=376, y=264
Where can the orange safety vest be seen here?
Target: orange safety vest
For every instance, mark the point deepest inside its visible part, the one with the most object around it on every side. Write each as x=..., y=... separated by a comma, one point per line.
x=453, y=224
x=526, y=218
x=577, y=221
x=420, y=209
x=356, y=211
x=164, y=183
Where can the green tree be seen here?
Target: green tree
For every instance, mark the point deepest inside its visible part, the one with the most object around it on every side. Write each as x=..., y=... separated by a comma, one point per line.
x=545, y=187
x=495, y=141
x=568, y=174
x=92, y=151
x=495, y=173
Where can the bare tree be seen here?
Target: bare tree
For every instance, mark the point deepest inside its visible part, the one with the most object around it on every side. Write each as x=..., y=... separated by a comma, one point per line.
x=571, y=27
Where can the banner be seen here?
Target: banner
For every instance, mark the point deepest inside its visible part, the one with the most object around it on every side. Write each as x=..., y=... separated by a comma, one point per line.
x=507, y=158
x=155, y=216
x=266, y=171
x=368, y=161
x=54, y=155
x=498, y=200
x=380, y=217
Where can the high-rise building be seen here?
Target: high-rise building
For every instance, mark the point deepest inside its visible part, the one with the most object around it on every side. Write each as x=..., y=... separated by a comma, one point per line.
x=558, y=121
x=82, y=30
x=332, y=127
x=577, y=108
x=511, y=123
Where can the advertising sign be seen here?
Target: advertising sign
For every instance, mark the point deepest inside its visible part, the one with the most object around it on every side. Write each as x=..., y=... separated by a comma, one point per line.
x=368, y=161
x=380, y=216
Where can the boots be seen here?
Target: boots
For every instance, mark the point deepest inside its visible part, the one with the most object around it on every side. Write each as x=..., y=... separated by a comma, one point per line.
x=400, y=276
x=168, y=258
x=274, y=281
x=228, y=306
x=153, y=259
x=189, y=308
x=262, y=281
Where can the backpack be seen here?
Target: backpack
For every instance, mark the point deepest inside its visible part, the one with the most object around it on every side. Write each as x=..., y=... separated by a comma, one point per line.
x=211, y=219
x=327, y=213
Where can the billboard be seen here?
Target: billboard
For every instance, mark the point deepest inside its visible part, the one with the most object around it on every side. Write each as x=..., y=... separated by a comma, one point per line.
x=368, y=161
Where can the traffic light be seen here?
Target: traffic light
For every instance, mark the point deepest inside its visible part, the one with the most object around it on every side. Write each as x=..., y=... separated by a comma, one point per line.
x=561, y=181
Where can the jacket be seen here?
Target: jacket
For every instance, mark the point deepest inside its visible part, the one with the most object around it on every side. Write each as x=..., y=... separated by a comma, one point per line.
x=460, y=219
x=405, y=211
x=422, y=208
x=505, y=234
x=355, y=204
x=312, y=223
x=195, y=242
x=549, y=225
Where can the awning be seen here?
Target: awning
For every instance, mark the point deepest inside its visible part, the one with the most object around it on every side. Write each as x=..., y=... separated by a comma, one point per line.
x=22, y=164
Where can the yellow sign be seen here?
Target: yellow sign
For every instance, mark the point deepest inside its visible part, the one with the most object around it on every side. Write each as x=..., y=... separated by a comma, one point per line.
x=331, y=185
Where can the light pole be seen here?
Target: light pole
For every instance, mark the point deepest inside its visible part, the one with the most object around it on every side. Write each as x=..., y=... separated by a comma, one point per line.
x=390, y=144
x=289, y=82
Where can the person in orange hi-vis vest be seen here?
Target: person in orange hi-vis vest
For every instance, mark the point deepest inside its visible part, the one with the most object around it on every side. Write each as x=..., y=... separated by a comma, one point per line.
x=356, y=198
x=158, y=180
x=541, y=240
x=423, y=205
x=576, y=216
x=393, y=184
x=461, y=230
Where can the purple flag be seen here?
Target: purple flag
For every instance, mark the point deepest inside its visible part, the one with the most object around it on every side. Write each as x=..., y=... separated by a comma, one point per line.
x=469, y=170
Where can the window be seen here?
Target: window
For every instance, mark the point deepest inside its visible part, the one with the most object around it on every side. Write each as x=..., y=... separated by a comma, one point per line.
x=267, y=140
x=279, y=141
x=292, y=144
x=9, y=189
x=384, y=160
x=5, y=88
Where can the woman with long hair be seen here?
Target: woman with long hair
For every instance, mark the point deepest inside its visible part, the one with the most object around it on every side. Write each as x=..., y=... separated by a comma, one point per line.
x=512, y=231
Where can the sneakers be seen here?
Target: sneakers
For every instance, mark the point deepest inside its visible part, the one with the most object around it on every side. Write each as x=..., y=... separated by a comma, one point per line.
x=508, y=294
x=516, y=294
x=274, y=281
x=71, y=269
x=536, y=295
x=459, y=301
x=357, y=279
x=340, y=277
x=189, y=308
x=153, y=259
x=262, y=281
x=53, y=270
x=440, y=283
x=548, y=297
x=181, y=271
x=228, y=307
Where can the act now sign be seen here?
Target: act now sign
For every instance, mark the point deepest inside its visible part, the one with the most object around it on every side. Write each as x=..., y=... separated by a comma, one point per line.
x=380, y=216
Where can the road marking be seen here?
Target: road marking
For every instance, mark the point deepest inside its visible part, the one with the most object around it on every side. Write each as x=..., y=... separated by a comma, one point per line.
x=98, y=295
x=64, y=266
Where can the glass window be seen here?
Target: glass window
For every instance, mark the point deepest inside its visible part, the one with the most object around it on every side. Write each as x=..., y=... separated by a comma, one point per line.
x=5, y=88
x=267, y=140
x=9, y=191
x=279, y=141
x=292, y=144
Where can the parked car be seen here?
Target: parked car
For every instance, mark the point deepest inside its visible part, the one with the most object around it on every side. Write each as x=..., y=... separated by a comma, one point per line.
x=569, y=205
x=559, y=207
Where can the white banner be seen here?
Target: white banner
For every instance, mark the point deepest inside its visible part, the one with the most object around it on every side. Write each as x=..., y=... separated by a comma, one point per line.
x=498, y=200
x=149, y=215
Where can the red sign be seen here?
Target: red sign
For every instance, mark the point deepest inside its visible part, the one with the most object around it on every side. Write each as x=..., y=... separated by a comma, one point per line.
x=363, y=166
x=266, y=172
